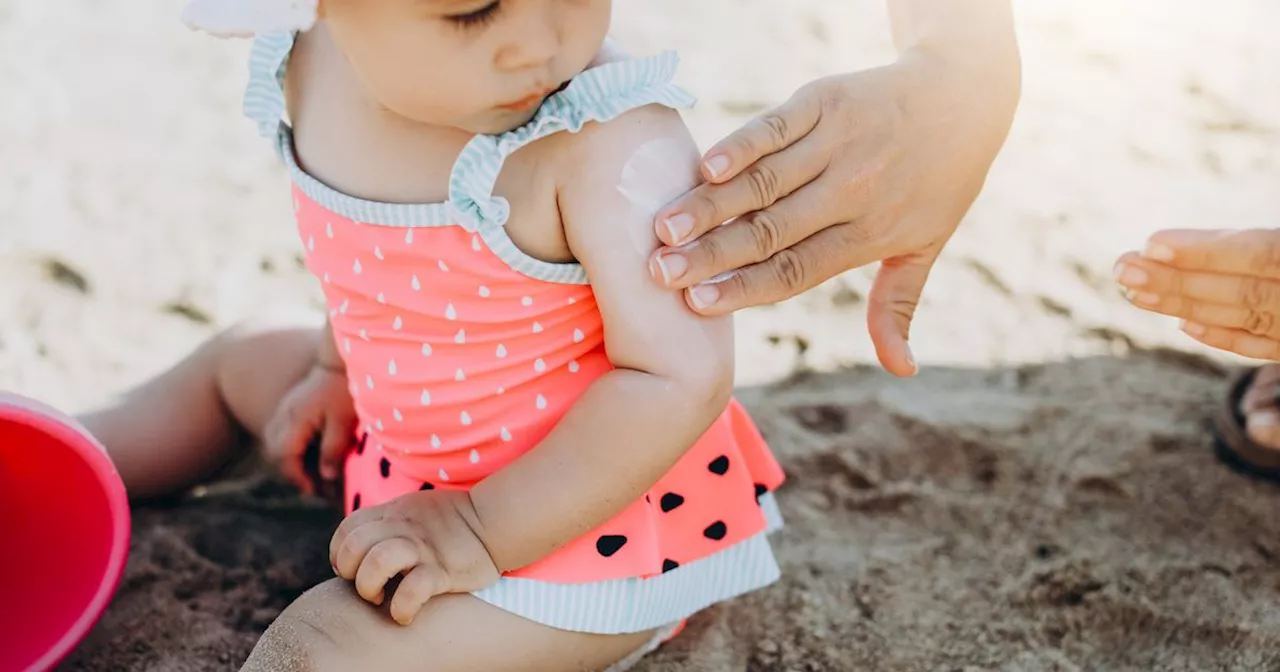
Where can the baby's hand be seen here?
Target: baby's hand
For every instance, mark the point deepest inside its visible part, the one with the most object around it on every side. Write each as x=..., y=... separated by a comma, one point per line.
x=317, y=408
x=428, y=537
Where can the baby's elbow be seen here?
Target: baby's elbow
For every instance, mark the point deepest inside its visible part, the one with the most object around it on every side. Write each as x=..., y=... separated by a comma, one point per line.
x=709, y=386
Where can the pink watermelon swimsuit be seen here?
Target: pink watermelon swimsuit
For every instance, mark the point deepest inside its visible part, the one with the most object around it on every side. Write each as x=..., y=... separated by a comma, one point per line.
x=463, y=352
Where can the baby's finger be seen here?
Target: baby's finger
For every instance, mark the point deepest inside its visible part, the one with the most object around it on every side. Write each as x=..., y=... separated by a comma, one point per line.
x=290, y=451
x=333, y=447
x=354, y=537
x=421, y=584
x=387, y=559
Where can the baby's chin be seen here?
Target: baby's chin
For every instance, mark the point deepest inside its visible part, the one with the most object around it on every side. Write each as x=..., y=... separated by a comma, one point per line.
x=498, y=120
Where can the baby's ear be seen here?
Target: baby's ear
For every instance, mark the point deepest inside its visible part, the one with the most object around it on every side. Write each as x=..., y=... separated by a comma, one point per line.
x=246, y=18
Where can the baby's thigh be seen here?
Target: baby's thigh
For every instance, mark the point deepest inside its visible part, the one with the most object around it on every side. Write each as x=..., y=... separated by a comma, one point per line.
x=331, y=629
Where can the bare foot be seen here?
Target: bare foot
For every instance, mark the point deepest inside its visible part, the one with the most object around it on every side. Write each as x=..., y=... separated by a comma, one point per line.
x=1261, y=407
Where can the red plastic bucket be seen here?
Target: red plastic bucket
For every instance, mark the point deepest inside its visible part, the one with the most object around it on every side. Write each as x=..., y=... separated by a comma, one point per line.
x=64, y=534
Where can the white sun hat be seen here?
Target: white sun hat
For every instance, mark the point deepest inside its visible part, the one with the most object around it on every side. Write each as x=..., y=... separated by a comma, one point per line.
x=245, y=18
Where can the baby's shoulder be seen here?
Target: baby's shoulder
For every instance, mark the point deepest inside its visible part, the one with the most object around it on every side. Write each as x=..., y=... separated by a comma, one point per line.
x=646, y=156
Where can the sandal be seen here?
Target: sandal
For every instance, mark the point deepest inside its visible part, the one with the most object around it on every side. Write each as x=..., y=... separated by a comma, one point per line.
x=1232, y=443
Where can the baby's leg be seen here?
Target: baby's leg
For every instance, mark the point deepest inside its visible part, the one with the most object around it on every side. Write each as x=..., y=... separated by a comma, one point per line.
x=185, y=424
x=330, y=629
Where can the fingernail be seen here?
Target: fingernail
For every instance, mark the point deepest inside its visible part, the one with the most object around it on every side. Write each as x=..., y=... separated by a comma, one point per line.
x=911, y=357
x=1158, y=252
x=678, y=226
x=704, y=295
x=1193, y=328
x=672, y=266
x=717, y=165
x=1147, y=298
x=1131, y=276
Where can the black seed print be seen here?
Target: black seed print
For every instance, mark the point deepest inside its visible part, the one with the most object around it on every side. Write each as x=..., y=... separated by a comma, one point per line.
x=610, y=544
x=427, y=486
x=719, y=466
x=355, y=503
x=360, y=444
x=668, y=565
x=715, y=531
x=670, y=501
x=760, y=490
x=385, y=467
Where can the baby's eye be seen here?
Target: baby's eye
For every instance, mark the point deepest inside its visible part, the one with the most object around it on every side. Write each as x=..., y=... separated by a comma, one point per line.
x=477, y=18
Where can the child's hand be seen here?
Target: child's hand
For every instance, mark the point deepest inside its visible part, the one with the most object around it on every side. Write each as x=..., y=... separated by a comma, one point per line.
x=428, y=537
x=317, y=409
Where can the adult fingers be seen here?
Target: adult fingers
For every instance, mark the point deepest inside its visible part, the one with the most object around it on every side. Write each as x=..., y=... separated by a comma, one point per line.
x=1234, y=340
x=421, y=584
x=1253, y=252
x=769, y=133
x=760, y=185
x=383, y=561
x=1156, y=281
x=891, y=307
x=1256, y=322
x=785, y=274
x=746, y=240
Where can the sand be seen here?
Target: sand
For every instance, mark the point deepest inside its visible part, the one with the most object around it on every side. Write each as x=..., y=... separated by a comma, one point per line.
x=1042, y=497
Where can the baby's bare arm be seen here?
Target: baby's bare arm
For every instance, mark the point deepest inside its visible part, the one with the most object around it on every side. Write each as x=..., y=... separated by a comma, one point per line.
x=674, y=370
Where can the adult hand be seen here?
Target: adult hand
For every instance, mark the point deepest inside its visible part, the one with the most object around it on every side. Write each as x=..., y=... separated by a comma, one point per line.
x=1225, y=285
x=879, y=165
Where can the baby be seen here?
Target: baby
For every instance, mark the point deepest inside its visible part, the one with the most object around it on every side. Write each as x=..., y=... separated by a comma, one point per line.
x=540, y=457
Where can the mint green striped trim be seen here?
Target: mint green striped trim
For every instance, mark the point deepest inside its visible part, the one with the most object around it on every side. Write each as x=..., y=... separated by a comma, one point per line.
x=368, y=212
x=599, y=94
x=635, y=605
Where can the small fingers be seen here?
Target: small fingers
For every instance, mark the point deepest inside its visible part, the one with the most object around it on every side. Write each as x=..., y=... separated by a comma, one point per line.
x=362, y=526
x=385, y=560
x=286, y=451
x=422, y=583
x=338, y=436
x=1234, y=340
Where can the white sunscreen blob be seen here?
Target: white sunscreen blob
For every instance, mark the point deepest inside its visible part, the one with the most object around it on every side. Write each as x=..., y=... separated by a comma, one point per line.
x=657, y=173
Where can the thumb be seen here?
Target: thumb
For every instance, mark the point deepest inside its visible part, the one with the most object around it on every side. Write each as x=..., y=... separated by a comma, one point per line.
x=891, y=306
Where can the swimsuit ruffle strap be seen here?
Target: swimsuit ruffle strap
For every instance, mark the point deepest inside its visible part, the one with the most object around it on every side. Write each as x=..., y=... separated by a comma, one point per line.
x=599, y=94
x=264, y=102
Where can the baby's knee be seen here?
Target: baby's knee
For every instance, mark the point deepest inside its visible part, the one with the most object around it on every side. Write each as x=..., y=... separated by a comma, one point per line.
x=306, y=637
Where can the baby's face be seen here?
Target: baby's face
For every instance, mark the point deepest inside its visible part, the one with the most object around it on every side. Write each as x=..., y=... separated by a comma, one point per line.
x=480, y=65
